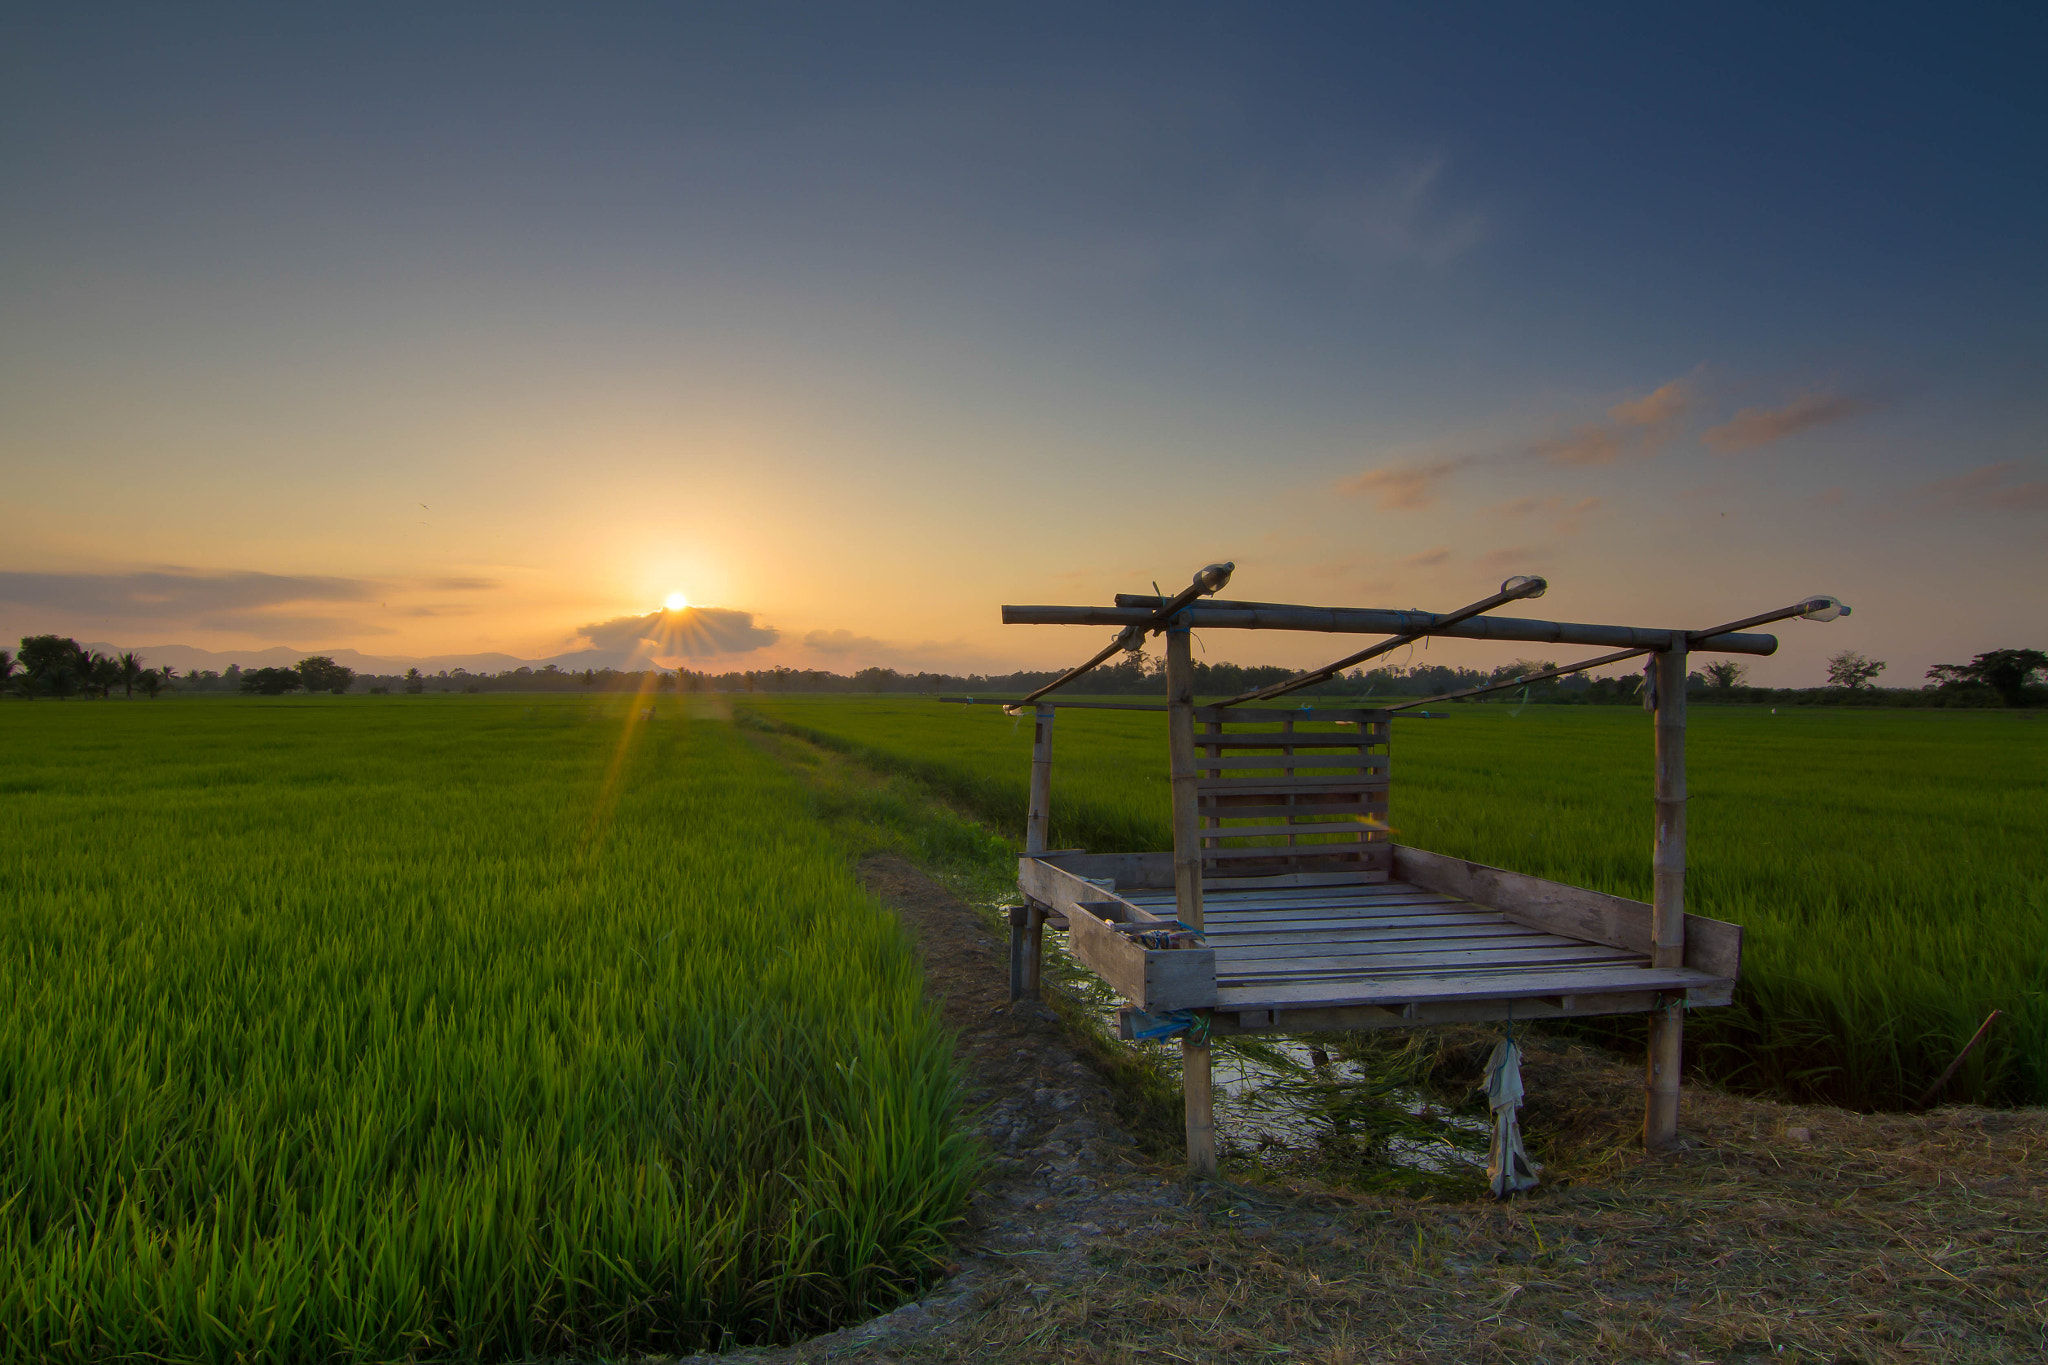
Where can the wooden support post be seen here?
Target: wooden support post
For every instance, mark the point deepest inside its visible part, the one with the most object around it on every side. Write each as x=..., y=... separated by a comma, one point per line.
x=1196, y=1094
x=1034, y=949
x=1667, y=917
x=1201, y=1110
x=1040, y=817
x=1017, y=915
x=1180, y=744
x=1667, y=1052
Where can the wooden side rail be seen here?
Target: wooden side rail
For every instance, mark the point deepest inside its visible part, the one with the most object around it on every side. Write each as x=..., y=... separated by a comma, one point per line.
x=1712, y=946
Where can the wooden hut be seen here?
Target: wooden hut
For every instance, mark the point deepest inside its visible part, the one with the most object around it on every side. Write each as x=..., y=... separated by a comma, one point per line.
x=1286, y=906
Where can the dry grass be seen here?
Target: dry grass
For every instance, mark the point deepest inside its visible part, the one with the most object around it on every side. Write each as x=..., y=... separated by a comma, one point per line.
x=1874, y=1238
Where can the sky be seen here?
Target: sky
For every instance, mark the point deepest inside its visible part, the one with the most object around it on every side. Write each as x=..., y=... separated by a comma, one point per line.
x=442, y=330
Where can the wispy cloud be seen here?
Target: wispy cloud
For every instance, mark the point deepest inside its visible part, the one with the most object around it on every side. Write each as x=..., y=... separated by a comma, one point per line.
x=1988, y=488
x=280, y=625
x=1406, y=486
x=1401, y=217
x=1635, y=427
x=843, y=642
x=1428, y=559
x=1514, y=559
x=175, y=593
x=1754, y=427
x=1571, y=514
x=1575, y=516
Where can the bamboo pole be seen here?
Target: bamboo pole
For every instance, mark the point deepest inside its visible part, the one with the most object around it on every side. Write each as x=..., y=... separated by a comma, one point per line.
x=1223, y=615
x=1040, y=816
x=1667, y=937
x=1018, y=917
x=1196, y=1095
x=1200, y=1100
x=1211, y=578
x=1697, y=639
x=1667, y=1046
x=1180, y=743
x=1512, y=590
x=1034, y=950
x=1667, y=914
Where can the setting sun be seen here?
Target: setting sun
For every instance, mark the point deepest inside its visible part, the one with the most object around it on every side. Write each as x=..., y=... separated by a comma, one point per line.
x=676, y=601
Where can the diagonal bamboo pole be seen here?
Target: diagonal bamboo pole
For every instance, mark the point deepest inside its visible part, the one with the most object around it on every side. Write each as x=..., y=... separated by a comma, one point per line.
x=1513, y=590
x=1815, y=608
x=1210, y=580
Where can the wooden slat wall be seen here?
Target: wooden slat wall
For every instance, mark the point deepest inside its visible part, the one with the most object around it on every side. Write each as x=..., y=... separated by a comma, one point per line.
x=1284, y=792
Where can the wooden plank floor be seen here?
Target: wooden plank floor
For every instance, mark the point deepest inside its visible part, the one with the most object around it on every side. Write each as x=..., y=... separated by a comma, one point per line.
x=1395, y=943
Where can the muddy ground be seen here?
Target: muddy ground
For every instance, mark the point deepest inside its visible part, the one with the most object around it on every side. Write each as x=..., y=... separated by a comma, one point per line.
x=1777, y=1233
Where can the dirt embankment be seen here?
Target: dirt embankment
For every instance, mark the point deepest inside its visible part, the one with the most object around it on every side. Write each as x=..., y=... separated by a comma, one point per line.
x=1778, y=1233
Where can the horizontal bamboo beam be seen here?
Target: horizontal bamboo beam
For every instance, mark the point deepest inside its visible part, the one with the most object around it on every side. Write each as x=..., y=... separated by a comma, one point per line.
x=1218, y=615
x=1513, y=590
x=1011, y=705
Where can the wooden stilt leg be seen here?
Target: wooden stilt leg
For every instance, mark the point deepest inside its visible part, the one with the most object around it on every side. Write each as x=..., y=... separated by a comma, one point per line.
x=1017, y=915
x=1667, y=916
x=1667, y=1054
x=1200, y=1101
x=1034, y=949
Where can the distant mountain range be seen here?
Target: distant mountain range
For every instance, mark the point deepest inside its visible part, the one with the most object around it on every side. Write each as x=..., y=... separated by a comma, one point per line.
x=185, y=658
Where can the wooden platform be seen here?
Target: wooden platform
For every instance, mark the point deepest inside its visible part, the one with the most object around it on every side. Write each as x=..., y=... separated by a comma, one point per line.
x=1440, y=941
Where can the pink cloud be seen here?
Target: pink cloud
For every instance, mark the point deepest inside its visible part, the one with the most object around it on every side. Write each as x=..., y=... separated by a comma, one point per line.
x=1984, y=489
x=1512, y=558
x=1753, y=427
x=1666, y=403
x=1574, y=519
x=1571, y=515
x=1405, y=487
x=1635, y=427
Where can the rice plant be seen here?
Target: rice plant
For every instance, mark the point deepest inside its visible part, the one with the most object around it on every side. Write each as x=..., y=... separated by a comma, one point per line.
x=416, y=1028
x=1890, y=867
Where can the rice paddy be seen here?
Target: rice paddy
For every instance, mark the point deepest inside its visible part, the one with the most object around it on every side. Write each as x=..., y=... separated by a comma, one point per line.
x=411, y=1028
x=1890, y=868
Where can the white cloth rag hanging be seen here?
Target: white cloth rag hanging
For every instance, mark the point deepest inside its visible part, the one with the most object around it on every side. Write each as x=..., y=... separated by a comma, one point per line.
x=1508, y=1167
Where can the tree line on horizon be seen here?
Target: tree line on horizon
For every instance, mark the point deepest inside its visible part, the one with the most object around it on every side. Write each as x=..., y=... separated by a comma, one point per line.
x=57, y=667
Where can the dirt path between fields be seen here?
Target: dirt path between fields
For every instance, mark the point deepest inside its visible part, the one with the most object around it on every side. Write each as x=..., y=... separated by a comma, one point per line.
x=1781, y=1232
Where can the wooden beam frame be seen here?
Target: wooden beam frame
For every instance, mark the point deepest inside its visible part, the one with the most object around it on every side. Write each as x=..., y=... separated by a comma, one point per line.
x=1692, y=961
x=1218, y=615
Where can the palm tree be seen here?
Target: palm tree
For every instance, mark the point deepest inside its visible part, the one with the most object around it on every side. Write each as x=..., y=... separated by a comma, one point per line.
x=130, y=665
x=103, y=673
x=154, y=681
x=7, y=667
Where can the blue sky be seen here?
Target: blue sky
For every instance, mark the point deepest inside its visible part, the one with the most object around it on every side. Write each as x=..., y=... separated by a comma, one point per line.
x=866, y=319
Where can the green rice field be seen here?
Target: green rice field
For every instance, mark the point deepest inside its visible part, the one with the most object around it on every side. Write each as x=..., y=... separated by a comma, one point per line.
x=1890, y=867
x=416, y=1028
